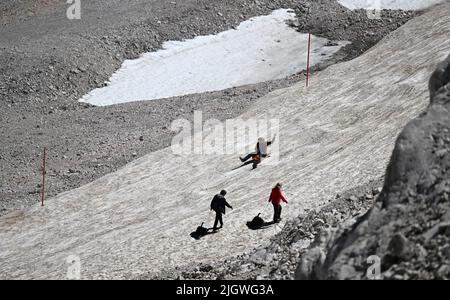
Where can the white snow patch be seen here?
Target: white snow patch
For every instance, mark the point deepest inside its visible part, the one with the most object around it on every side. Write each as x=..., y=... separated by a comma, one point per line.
x=389, y=4
x=260, y=49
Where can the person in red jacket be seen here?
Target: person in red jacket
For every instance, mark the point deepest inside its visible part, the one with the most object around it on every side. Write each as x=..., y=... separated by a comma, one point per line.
x=275, y=198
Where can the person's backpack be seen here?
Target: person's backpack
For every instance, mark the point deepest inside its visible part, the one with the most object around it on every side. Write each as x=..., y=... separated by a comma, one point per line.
x=200, y=232
x=256, y=223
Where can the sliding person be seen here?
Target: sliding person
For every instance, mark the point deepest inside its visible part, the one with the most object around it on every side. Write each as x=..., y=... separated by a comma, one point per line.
x=260, y=152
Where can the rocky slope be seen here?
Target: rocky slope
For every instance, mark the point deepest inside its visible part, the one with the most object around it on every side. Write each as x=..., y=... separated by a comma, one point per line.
x=409, y=226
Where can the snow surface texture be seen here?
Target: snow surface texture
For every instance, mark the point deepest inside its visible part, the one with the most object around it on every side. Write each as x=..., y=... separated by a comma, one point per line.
x=390, y=4
x=260, y=49
x=336, y=135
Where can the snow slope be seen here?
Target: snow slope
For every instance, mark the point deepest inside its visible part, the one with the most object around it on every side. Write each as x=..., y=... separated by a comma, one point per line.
x=390, y=4
x=335, y=135
x=260, y=49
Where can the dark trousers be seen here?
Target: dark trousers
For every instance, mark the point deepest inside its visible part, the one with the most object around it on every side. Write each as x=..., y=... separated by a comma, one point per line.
x=218, y=220
x=248, y=157
x=277, y=213
x=253, y=161
x=251, y=155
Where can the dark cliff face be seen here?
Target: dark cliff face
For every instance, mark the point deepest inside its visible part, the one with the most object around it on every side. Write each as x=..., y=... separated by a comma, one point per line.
x=409, y=226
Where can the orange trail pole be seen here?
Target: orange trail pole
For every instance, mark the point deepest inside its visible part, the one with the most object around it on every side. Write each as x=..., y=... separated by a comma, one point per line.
x=44, y=161
x=308, y=60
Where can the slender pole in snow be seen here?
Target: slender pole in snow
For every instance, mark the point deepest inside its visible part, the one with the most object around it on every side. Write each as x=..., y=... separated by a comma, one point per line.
x=44, y=161
x=308, y=60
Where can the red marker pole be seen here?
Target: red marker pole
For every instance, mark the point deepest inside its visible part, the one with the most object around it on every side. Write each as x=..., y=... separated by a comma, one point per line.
x=308, y=60
x=44, y=162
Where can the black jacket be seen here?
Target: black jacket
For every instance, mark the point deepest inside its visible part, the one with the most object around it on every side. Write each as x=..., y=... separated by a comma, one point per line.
x=219, y=203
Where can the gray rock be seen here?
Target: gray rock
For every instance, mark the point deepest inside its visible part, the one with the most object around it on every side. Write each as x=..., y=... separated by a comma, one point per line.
x=259, y=257
x=206, y=268
x=309, y=263
x=441, y=228
x=353, y=198
x=377, y=191
x=444, y=228
x=369, y=196
x=400, y=247
x=443, y=272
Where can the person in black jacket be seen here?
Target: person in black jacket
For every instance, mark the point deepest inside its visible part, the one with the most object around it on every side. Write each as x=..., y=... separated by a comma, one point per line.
x=218, y=205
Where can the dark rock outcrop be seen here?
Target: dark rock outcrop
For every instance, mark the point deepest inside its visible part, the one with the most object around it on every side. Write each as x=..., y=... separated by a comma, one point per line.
x=408, y=226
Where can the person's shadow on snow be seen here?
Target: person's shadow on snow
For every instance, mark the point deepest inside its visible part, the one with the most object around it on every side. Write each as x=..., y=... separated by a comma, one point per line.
x=251, y=162
x=263, y=226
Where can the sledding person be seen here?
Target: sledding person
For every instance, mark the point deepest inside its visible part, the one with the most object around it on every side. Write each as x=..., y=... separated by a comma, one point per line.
x=218, y=205
x=275, y=198
x=260, y=152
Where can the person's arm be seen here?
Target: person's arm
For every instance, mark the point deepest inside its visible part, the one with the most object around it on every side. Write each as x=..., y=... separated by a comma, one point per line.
x=228, y=205
x=283, y=198
x=213, y=203
x=270, y=197
x=273, y=140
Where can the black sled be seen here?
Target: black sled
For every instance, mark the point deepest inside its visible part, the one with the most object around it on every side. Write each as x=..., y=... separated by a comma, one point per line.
x=200, y=232
x=256, y=223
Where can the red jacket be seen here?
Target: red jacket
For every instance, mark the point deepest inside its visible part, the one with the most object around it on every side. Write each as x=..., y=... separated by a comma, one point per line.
x=276, y=196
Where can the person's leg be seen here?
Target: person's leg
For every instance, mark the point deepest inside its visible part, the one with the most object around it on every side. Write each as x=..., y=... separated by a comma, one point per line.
x=216, y=221
x=256, y=163
x=280, y=208
x=220, y=220
x=247, y=157
x=274, y=213
x=277, y=214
